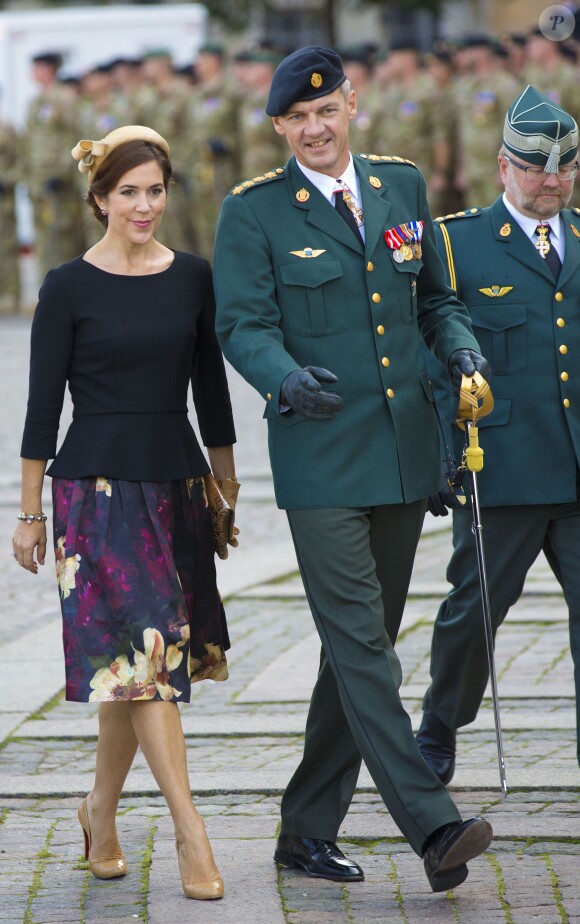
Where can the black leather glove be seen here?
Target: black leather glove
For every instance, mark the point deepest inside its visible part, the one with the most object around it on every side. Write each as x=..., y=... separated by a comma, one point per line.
x=451, y=493
x=466, y=362
x=54, y=184
x=301, y=391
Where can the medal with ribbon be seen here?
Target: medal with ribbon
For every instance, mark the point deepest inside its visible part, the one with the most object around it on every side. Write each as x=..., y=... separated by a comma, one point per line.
x=405, y=240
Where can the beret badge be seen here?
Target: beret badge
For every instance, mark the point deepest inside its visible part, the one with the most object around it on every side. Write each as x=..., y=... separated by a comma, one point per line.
x=316, y=80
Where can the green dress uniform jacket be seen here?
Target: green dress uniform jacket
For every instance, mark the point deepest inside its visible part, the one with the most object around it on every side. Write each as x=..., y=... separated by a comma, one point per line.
x=527, y=327
x=295, y=287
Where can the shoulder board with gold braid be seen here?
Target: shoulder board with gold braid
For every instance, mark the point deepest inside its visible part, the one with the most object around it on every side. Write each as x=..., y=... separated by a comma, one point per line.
x=469, y=213
x=242, y=188
x=387, y=159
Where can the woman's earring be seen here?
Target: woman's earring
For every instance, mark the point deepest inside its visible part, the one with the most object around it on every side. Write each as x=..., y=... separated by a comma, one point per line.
x=104, y=212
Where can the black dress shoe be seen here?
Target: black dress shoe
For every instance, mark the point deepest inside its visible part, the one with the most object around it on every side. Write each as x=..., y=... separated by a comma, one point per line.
x=437, y=743
x=450, y=847
x=318, y=858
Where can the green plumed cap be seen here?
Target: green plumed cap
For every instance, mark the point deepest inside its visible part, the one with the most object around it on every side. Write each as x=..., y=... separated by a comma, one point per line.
x=539, y=132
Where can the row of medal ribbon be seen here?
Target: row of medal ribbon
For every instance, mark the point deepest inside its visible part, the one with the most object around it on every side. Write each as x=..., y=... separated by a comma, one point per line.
x=405, y=241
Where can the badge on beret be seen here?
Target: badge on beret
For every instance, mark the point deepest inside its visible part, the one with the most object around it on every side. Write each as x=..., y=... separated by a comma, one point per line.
x=316, y=80
x=303, y=195
x=375, y=182
x=506, y=229
x=575, y=230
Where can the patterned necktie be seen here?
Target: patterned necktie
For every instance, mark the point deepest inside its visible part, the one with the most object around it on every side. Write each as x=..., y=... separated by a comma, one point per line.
x=344, y=205
x=547, y=250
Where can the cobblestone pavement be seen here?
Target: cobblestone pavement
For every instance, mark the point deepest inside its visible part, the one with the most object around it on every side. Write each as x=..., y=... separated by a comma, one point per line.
x=244, y=738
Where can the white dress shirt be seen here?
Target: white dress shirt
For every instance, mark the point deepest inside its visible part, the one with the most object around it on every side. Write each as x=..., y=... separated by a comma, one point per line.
x=327, y=184
x=529, y=225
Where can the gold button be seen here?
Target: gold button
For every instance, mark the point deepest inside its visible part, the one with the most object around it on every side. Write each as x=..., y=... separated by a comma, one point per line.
x=380, y=330
x=390, y=393
x=376, y=298
x=564, y=376
x=386, y=361
x=370, y=266
x=563, y=348
x=566, y=402
x=269, y=396
x=559, y=297
x=561, y=322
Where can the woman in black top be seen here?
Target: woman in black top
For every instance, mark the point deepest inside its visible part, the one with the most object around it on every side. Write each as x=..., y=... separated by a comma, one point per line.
x=128, y=326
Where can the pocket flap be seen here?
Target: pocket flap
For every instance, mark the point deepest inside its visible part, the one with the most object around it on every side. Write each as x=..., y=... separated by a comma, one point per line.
x=497, y=317
x=310, y=272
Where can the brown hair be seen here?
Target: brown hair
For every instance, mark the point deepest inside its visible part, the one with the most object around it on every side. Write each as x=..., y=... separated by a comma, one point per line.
x=123, y=158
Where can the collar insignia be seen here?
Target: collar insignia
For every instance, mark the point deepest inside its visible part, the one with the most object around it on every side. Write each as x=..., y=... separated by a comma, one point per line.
x=303, y=195
x=375, y=182
x=575, y=230
x=506, y=229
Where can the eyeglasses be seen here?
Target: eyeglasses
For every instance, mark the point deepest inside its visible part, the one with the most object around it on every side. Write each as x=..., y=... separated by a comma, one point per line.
x=565, y=174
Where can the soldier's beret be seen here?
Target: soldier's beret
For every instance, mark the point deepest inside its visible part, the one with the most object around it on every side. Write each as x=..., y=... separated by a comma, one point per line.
x=91, y=154
x=54, y=58
x=404, y=44
x=306, y=74
x=539, y=132
x=212, y=48
x=476, y=40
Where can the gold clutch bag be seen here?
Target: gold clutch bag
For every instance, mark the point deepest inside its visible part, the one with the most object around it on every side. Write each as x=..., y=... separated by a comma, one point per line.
x=222, y=516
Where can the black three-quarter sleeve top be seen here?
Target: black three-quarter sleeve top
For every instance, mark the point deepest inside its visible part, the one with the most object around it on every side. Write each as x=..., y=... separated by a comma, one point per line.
x=128, y=346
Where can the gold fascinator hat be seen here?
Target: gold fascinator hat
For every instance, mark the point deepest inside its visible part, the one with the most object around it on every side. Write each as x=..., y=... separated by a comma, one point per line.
x=91, y=154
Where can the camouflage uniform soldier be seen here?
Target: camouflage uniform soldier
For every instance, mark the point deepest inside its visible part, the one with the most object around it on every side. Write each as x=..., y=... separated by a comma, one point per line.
x=405, y=120
x=481, y=100
x=51, y=132
x=356, y=60
x=261, y=147
x=9, y=272
x=442, y=193
x=549, y=71
x=165, y=105
x=100, y=111
x=214, y=151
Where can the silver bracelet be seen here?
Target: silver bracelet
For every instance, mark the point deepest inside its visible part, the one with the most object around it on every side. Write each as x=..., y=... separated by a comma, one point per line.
x=31, y=517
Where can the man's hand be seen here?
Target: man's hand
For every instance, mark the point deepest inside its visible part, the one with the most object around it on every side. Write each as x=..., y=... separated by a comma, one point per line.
x=451, y=493
x=466, y=362
x=301, y=391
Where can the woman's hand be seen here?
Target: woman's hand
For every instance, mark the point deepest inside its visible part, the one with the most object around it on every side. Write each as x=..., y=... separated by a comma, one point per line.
x=27, y=538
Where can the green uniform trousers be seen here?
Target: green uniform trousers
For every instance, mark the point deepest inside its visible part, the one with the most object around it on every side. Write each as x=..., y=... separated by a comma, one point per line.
x=356, y=566
x=513, y=538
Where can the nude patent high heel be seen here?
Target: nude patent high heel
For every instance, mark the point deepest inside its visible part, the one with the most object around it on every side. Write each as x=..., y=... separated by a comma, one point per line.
x=101, y=867
x=202, y=890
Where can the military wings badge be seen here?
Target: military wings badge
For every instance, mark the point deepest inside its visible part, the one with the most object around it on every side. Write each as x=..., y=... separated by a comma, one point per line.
x=307, y=253
x=496, y=291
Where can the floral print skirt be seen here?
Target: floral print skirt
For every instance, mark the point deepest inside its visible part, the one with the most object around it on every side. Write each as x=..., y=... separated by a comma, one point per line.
x=142, y=616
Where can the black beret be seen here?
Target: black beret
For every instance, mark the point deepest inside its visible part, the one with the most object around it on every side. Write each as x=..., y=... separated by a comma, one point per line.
x=54, y=58
x=404, y=44
x=306, y=74
x=476, y=40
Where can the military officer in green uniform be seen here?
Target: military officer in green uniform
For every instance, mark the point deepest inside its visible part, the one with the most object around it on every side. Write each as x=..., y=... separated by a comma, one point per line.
x=9, y=270
x=522, y=290
x=51, y=131
x=327, y=284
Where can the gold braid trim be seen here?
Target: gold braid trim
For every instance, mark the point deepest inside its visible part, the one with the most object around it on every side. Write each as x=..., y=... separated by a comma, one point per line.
x=449, y=252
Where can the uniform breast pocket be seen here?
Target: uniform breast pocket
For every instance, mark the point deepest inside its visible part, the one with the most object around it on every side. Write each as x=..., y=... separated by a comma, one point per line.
x=314, y=300
x=502, y=335
x=407, y=273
